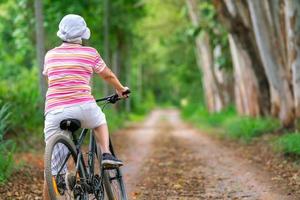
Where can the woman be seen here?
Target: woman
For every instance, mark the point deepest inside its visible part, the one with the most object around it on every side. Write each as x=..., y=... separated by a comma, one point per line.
x=69, y=68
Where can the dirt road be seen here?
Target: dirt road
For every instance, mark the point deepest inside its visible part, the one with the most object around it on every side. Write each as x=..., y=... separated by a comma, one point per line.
x=166, y=158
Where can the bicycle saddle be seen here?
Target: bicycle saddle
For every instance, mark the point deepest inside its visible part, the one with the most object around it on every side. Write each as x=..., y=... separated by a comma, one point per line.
x=70, y=125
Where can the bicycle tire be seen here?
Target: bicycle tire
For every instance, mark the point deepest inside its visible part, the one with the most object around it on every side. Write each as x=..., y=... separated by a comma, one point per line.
x=63, y=139
x=116, y=190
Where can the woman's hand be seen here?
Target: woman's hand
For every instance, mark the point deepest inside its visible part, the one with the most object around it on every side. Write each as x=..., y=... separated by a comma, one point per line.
x=121, y=92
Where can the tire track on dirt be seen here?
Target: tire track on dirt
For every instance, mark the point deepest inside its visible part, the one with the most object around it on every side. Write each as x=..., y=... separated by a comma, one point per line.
x=133, y=146
x=171, y=170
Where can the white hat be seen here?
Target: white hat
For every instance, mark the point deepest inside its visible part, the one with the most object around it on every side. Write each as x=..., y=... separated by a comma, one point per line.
x=73, y=28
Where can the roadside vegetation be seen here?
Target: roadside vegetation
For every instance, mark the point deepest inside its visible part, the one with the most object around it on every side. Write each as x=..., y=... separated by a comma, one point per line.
x=227, y=124
x=7, y=147
x=289, y=144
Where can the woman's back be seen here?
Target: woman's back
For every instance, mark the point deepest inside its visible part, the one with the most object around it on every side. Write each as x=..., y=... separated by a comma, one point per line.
x=69, y=68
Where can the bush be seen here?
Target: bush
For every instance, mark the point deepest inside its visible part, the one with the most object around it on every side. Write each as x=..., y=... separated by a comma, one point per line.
x=23, y=95
x=7, y=147
x=200, y=115
x=4, y=115
x=246, y=128
x=289, y=143
x=142, y=104
x=231, y=125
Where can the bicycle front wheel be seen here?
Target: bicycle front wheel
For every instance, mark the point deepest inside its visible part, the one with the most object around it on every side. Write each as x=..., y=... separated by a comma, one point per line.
x=60, y=168
x=114, y=185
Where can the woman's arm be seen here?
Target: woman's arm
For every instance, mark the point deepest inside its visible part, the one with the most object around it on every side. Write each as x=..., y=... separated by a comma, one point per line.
x=112, y=79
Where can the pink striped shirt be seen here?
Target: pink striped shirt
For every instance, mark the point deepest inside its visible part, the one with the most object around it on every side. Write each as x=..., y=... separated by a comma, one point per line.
x=69, y=68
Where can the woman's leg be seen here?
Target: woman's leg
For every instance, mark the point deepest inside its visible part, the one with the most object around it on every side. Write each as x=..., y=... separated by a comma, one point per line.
x=102, y=137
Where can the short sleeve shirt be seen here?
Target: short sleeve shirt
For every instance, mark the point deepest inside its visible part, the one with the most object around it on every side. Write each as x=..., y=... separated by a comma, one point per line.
x=69, y=69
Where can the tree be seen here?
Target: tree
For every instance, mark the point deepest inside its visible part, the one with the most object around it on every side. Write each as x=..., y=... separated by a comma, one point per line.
x=252, y=91
x=267, y=22
x=215, y=97
x=40, y=43
x=292, y=17
x=106, y=37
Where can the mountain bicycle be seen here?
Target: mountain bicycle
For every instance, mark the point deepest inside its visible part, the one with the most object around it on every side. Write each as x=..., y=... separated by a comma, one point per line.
x=80, y=175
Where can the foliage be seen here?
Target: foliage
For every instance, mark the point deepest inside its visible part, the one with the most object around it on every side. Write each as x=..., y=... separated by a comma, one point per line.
x=16, y=37
x=167, y=59
x=115, y=120
x=201, y=116
x=246, y=128
x=23, y=95
x=6, y=160
x=4, y=120
x=218, y=35
x=6, y=146
x=143, y=106
x=230, y=124
x=289, y=143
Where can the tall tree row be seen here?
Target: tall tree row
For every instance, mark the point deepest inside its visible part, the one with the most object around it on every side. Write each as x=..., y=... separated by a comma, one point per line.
x=264, y=42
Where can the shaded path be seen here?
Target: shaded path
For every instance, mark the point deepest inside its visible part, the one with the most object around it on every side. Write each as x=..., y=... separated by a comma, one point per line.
x=186, y=164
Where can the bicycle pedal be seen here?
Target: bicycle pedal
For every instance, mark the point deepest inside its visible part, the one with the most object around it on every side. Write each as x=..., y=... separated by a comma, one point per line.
x=111, y=166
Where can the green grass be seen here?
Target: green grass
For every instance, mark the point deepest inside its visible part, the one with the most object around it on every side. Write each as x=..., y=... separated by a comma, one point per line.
x=289, y=143
x=203, y=118
x=7, y=147
x=247, y=128
x=6, y=160
x=228, y=124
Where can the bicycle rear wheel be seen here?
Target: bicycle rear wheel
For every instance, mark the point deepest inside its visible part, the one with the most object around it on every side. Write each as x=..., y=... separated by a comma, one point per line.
x=60, y=160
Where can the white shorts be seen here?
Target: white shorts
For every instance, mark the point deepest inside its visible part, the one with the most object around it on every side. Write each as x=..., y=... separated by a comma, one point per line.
x=89, y=114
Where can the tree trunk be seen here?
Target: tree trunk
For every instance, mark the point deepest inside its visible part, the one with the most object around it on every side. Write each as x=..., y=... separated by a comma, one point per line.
x=204, y=55
x=40, y=43
x=292, y=14
x=140, y=83
x=115, y=58
x=128, y=83
x=235, y=16
x=106, y=39
x=269, y=38
x=224, y=78
x=246, y=85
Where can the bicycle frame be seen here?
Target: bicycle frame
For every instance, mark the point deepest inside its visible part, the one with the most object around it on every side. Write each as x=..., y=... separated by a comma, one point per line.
x=80, y=164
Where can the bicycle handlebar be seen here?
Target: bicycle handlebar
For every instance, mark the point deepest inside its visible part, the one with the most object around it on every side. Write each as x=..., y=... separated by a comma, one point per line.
x=113, y=98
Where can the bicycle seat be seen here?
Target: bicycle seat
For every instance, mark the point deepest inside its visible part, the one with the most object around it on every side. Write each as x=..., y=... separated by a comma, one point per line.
x=70, y=125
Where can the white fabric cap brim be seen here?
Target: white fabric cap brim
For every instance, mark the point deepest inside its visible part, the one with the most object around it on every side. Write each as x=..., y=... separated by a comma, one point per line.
x=87, y=34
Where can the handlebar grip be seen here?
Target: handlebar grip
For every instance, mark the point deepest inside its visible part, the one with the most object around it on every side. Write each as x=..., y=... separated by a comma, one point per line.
x=126, y=92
